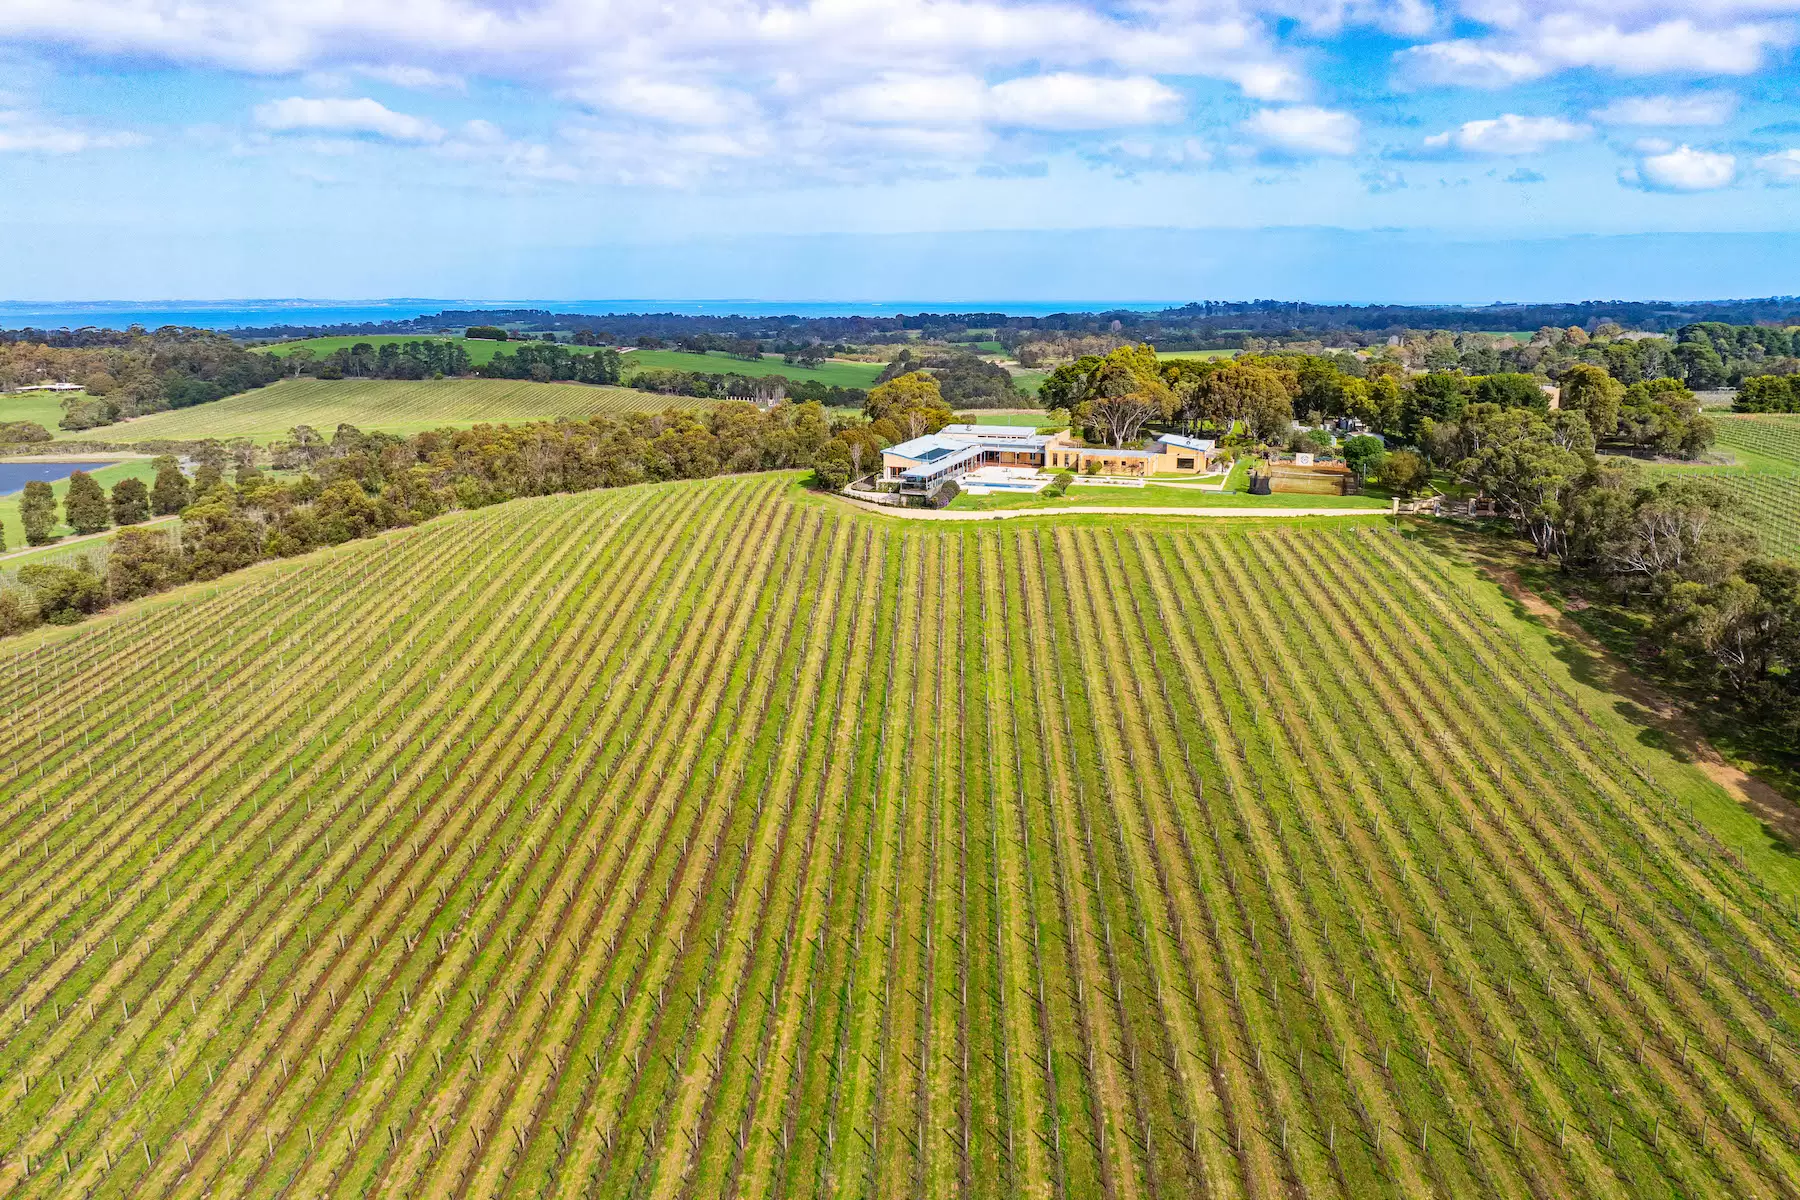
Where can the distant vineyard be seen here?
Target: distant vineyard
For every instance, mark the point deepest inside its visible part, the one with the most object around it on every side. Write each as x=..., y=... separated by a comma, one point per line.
x=690, y=841
x=400, y=406
x=1771, y=501
x=1771, y=436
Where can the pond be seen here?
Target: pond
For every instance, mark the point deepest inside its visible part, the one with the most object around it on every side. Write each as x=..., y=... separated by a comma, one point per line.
x=15, y=475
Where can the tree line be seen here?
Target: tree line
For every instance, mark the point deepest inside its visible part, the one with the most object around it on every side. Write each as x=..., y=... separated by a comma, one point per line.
x=438, y=358
x=964, y=380
x=133, y=373
x=1717, y=612
x=354, y=484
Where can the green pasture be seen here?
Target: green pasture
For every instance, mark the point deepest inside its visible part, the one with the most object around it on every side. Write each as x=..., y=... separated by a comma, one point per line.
x=400, y=406
x=1204, y=354
x=829, y=373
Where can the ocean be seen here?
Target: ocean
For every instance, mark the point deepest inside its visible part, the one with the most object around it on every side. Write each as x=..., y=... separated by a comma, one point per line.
x=239, y=314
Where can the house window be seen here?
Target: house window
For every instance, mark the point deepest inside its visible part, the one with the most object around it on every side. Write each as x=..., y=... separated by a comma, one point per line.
x=1184, y=464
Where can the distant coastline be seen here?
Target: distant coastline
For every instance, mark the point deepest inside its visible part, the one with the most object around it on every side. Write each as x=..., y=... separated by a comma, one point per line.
x=239, y=314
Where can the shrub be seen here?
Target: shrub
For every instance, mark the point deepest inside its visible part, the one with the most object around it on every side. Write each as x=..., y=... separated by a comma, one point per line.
x=142, y=561
x=17, y=612
x=23, y=431
x=1404, y=473
x=1363, y=454
x=947, y=491
x=1060, y=485
x=64, y=594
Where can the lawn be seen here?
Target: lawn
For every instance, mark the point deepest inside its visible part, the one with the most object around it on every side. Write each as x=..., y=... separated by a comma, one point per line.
x=42, y=408
x=388, y=405
x=1153, y=495
x=1035, y=417
x=1028, y=381
x=1207, y=354
x=685, y=840
x=106, y=476
x=830, y=373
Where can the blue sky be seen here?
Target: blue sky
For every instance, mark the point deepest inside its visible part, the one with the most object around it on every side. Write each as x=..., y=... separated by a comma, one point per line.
x=207, y=148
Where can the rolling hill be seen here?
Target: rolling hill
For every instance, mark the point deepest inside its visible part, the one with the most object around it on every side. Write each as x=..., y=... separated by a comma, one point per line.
x=705, y=840
x=389, y=405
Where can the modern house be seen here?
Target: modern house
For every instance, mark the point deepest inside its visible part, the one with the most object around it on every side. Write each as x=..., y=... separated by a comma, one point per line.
x=921, y=465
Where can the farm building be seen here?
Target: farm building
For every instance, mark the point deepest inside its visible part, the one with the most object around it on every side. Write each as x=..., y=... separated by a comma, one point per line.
x=924, y=463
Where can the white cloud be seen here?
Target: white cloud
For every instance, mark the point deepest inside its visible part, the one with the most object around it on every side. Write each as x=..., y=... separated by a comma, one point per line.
x=1468, y=63
x=687, y=104
x=419, y=79
x=1685, y=169
x=1694, y=108
x=1306, y=129
x=1508, y=134
x=1783, y=166
x=1529, y=41
x=22, y=133
x=1069, y=101
x=799, y=78
x=908, y=99
x=297, y=113
x=1669, y=47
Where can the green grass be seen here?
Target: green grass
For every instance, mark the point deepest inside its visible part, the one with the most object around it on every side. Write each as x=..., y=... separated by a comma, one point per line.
x=1035, y=417
x=831, y=374
x=1207, y=354
x=481, y=350
x=105, y=476
x=685, y=840
x=42, y=408
x=392, y=406
x=1028, y=382
x=1151, y=495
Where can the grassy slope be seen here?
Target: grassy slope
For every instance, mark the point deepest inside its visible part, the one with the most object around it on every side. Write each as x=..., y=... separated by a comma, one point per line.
x=691, y=840
x=831, y=374
x=106, y=476
x=396, y=406
x=43, y=408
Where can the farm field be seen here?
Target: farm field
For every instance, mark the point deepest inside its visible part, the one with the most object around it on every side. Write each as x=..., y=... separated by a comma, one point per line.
x=481, y=350
x=829, y=373
x=701, y=840
x=390, y=405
